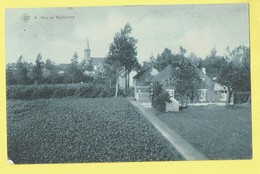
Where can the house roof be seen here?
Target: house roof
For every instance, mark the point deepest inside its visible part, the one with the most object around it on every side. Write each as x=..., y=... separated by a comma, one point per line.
x=152, y=72
x=139, y=74
x=165, y=73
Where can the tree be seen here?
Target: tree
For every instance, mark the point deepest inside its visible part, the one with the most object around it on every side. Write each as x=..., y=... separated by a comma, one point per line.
x=162, y=60
x=188, y=79
x=74, y=69
x=51, y=74
x=111, y=71
x=21, y=74
x=214, y=63
x=37, y=69
x=123, y=53
x=159, y=97
x=10, y=76
x=236, y=73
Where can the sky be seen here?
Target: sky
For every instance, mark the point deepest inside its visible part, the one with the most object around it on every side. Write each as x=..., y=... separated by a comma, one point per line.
x=57, y=33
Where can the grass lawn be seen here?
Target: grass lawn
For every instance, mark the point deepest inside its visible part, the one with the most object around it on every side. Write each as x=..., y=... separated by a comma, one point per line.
x=218, y=132
x=82, y=130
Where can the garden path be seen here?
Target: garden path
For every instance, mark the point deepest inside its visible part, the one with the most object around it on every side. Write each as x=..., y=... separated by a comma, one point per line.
x=182, y=146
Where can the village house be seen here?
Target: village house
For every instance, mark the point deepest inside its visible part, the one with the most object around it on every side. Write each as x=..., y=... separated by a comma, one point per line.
x=210, y=92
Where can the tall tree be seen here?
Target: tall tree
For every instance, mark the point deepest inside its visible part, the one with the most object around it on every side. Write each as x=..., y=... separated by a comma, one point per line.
x=10, y=77
x=51, y=74
x=123, y=52
x=75, y=70
x=188, y=79
x=112, y=69
x=236, y=74
x=22, y=71
x=37, y=69
x=162, y=60
x=213, y=63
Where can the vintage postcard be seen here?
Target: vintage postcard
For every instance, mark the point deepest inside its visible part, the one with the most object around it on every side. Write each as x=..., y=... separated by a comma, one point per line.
x=128, y=84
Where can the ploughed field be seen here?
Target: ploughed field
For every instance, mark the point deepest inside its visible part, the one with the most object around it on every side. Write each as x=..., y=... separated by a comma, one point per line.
x=82, y=130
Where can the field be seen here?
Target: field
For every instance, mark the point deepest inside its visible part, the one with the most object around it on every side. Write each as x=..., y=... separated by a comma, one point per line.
x=218, y=132
x=82, y=130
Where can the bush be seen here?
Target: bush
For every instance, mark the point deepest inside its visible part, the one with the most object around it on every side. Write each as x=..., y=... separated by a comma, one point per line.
x=159, y=97
x=29, y=92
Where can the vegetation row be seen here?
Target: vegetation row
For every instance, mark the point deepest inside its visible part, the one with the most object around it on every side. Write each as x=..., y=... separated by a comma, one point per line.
x=31, y=92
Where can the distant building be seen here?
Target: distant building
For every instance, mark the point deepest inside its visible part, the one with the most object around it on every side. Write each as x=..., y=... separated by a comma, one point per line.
x=95, y=62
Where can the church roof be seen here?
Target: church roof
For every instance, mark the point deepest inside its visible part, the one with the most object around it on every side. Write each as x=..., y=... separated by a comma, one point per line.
x=97, y=60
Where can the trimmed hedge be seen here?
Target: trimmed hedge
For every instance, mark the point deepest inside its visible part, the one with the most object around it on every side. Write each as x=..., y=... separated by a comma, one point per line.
x=31, y=92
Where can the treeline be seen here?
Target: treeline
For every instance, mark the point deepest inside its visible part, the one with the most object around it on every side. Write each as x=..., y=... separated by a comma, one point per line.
x=24, y=73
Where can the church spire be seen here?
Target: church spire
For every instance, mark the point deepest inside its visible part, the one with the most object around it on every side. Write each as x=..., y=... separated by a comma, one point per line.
x=87, y=52
x=88, y=44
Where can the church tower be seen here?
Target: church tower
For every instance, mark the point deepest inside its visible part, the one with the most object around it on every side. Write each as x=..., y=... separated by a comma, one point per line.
x=87, y=52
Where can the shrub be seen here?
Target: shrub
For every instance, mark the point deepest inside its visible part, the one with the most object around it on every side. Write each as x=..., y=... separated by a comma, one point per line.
x=159, y=97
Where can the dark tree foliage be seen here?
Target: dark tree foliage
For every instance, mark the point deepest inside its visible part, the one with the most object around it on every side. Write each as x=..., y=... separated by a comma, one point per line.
x=159, y=97
x=74, y=71
x=21, y=74
x=37, y=73
x=123, y=53
x=164, y=59
x=236, y=73
x=10, y=77
x=188, y=79
x=51, y=74
x=214, y=63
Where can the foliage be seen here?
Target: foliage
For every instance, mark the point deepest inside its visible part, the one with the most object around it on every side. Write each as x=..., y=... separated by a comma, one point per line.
x=74, y=70
x=51, y=73
x=31, y=92
x=122, y=54
x=159, y=97
x=231, y=70
x=10, y=77
x=188, y=81
x=37, y=72
x=21, y=74
x=214, y=63
x=236, y=74
x=164, y=59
